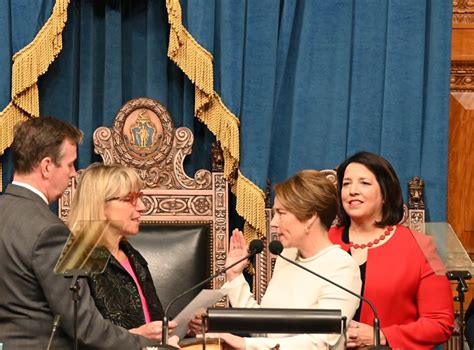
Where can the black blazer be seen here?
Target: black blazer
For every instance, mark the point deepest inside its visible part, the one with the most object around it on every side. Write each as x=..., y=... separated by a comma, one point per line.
x=116, y=295
x=31, y=239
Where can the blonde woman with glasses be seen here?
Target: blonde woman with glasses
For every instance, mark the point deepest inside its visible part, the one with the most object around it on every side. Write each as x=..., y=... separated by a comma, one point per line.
x=124, y=293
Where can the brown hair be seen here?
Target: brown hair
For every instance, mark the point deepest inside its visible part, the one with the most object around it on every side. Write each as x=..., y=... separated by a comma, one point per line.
x=38, y=138
x=392, y=208
x=309, y=192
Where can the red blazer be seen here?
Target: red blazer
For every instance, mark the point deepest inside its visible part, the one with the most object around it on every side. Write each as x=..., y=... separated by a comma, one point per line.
x=406, y=282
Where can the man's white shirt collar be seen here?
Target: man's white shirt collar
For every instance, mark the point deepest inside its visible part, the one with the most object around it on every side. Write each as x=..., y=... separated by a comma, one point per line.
x=32, y=189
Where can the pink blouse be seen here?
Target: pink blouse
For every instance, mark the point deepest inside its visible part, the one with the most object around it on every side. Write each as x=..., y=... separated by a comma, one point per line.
x=127, y=266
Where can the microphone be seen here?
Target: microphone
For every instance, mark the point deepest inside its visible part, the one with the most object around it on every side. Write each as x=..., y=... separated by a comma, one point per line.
x=276, y=248
x=255, y=247
x=56, y=321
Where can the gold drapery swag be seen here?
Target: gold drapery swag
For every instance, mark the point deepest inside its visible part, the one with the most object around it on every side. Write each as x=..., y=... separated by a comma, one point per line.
x=28, y=65
x=196, y=63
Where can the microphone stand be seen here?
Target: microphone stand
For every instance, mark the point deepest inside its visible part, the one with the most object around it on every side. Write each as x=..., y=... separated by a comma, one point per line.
x=255, y=247
x=460, y=277
x=275, y=249
x=56, y=322
x=75, y=274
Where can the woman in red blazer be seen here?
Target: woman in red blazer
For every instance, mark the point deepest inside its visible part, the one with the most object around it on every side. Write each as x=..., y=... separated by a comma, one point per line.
x=401, y=272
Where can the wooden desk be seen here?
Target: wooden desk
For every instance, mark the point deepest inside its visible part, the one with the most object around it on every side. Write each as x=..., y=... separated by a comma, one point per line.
x=197, y=344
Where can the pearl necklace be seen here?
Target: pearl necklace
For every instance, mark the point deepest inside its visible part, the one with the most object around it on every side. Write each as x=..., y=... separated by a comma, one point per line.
x=376, y=241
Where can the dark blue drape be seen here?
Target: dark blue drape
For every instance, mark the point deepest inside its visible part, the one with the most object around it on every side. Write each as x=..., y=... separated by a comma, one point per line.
x=316, y=81
x=311, y=81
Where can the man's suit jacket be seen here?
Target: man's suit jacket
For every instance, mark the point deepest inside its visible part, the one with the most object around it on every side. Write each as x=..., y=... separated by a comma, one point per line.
x=31, y=239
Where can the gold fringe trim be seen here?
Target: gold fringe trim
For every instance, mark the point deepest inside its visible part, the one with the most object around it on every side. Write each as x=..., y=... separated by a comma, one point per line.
x=34, y=59
x=251, y=202
x=13, y=116
x=28, y=65
x=223, y=124
x=196, y=63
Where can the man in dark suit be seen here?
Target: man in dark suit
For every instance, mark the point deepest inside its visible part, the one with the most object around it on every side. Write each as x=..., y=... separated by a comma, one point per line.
x=31, y=239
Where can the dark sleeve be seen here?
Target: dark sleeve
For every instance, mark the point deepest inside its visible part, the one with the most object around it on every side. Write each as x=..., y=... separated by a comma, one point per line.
x=93, y=330
x=470, y=325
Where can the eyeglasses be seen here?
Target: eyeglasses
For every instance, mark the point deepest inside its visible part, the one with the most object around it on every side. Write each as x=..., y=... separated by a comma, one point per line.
x=131, y=198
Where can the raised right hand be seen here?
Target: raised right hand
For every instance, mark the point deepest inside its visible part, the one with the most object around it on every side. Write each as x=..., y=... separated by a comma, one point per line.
x=237, y=250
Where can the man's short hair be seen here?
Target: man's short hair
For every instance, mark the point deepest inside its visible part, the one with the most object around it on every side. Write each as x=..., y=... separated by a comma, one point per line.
x=38, y=138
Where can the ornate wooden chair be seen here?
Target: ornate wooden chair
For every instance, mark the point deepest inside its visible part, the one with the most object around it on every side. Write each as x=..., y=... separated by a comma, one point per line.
x=184, y=231
x=413, y=217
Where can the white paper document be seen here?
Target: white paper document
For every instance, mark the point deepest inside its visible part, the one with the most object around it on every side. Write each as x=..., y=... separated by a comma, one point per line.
x=205, y=299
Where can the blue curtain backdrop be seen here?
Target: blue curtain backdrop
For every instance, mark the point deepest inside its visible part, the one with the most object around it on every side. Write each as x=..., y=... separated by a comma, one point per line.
x=311, y=81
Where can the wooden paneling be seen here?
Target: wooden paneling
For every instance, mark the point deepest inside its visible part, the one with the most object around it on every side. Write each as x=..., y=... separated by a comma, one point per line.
x=463, y=13
x=461, y=144
x=462, y=76
x=462, y=44
x=461, y=140
x=469, y=154
x=461, y=128
x=461, y=169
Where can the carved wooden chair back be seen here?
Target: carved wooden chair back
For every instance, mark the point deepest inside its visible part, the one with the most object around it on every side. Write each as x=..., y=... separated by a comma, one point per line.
x=184, y=231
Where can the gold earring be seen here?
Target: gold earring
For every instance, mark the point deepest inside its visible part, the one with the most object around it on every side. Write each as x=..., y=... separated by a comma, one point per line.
x=306, y=229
